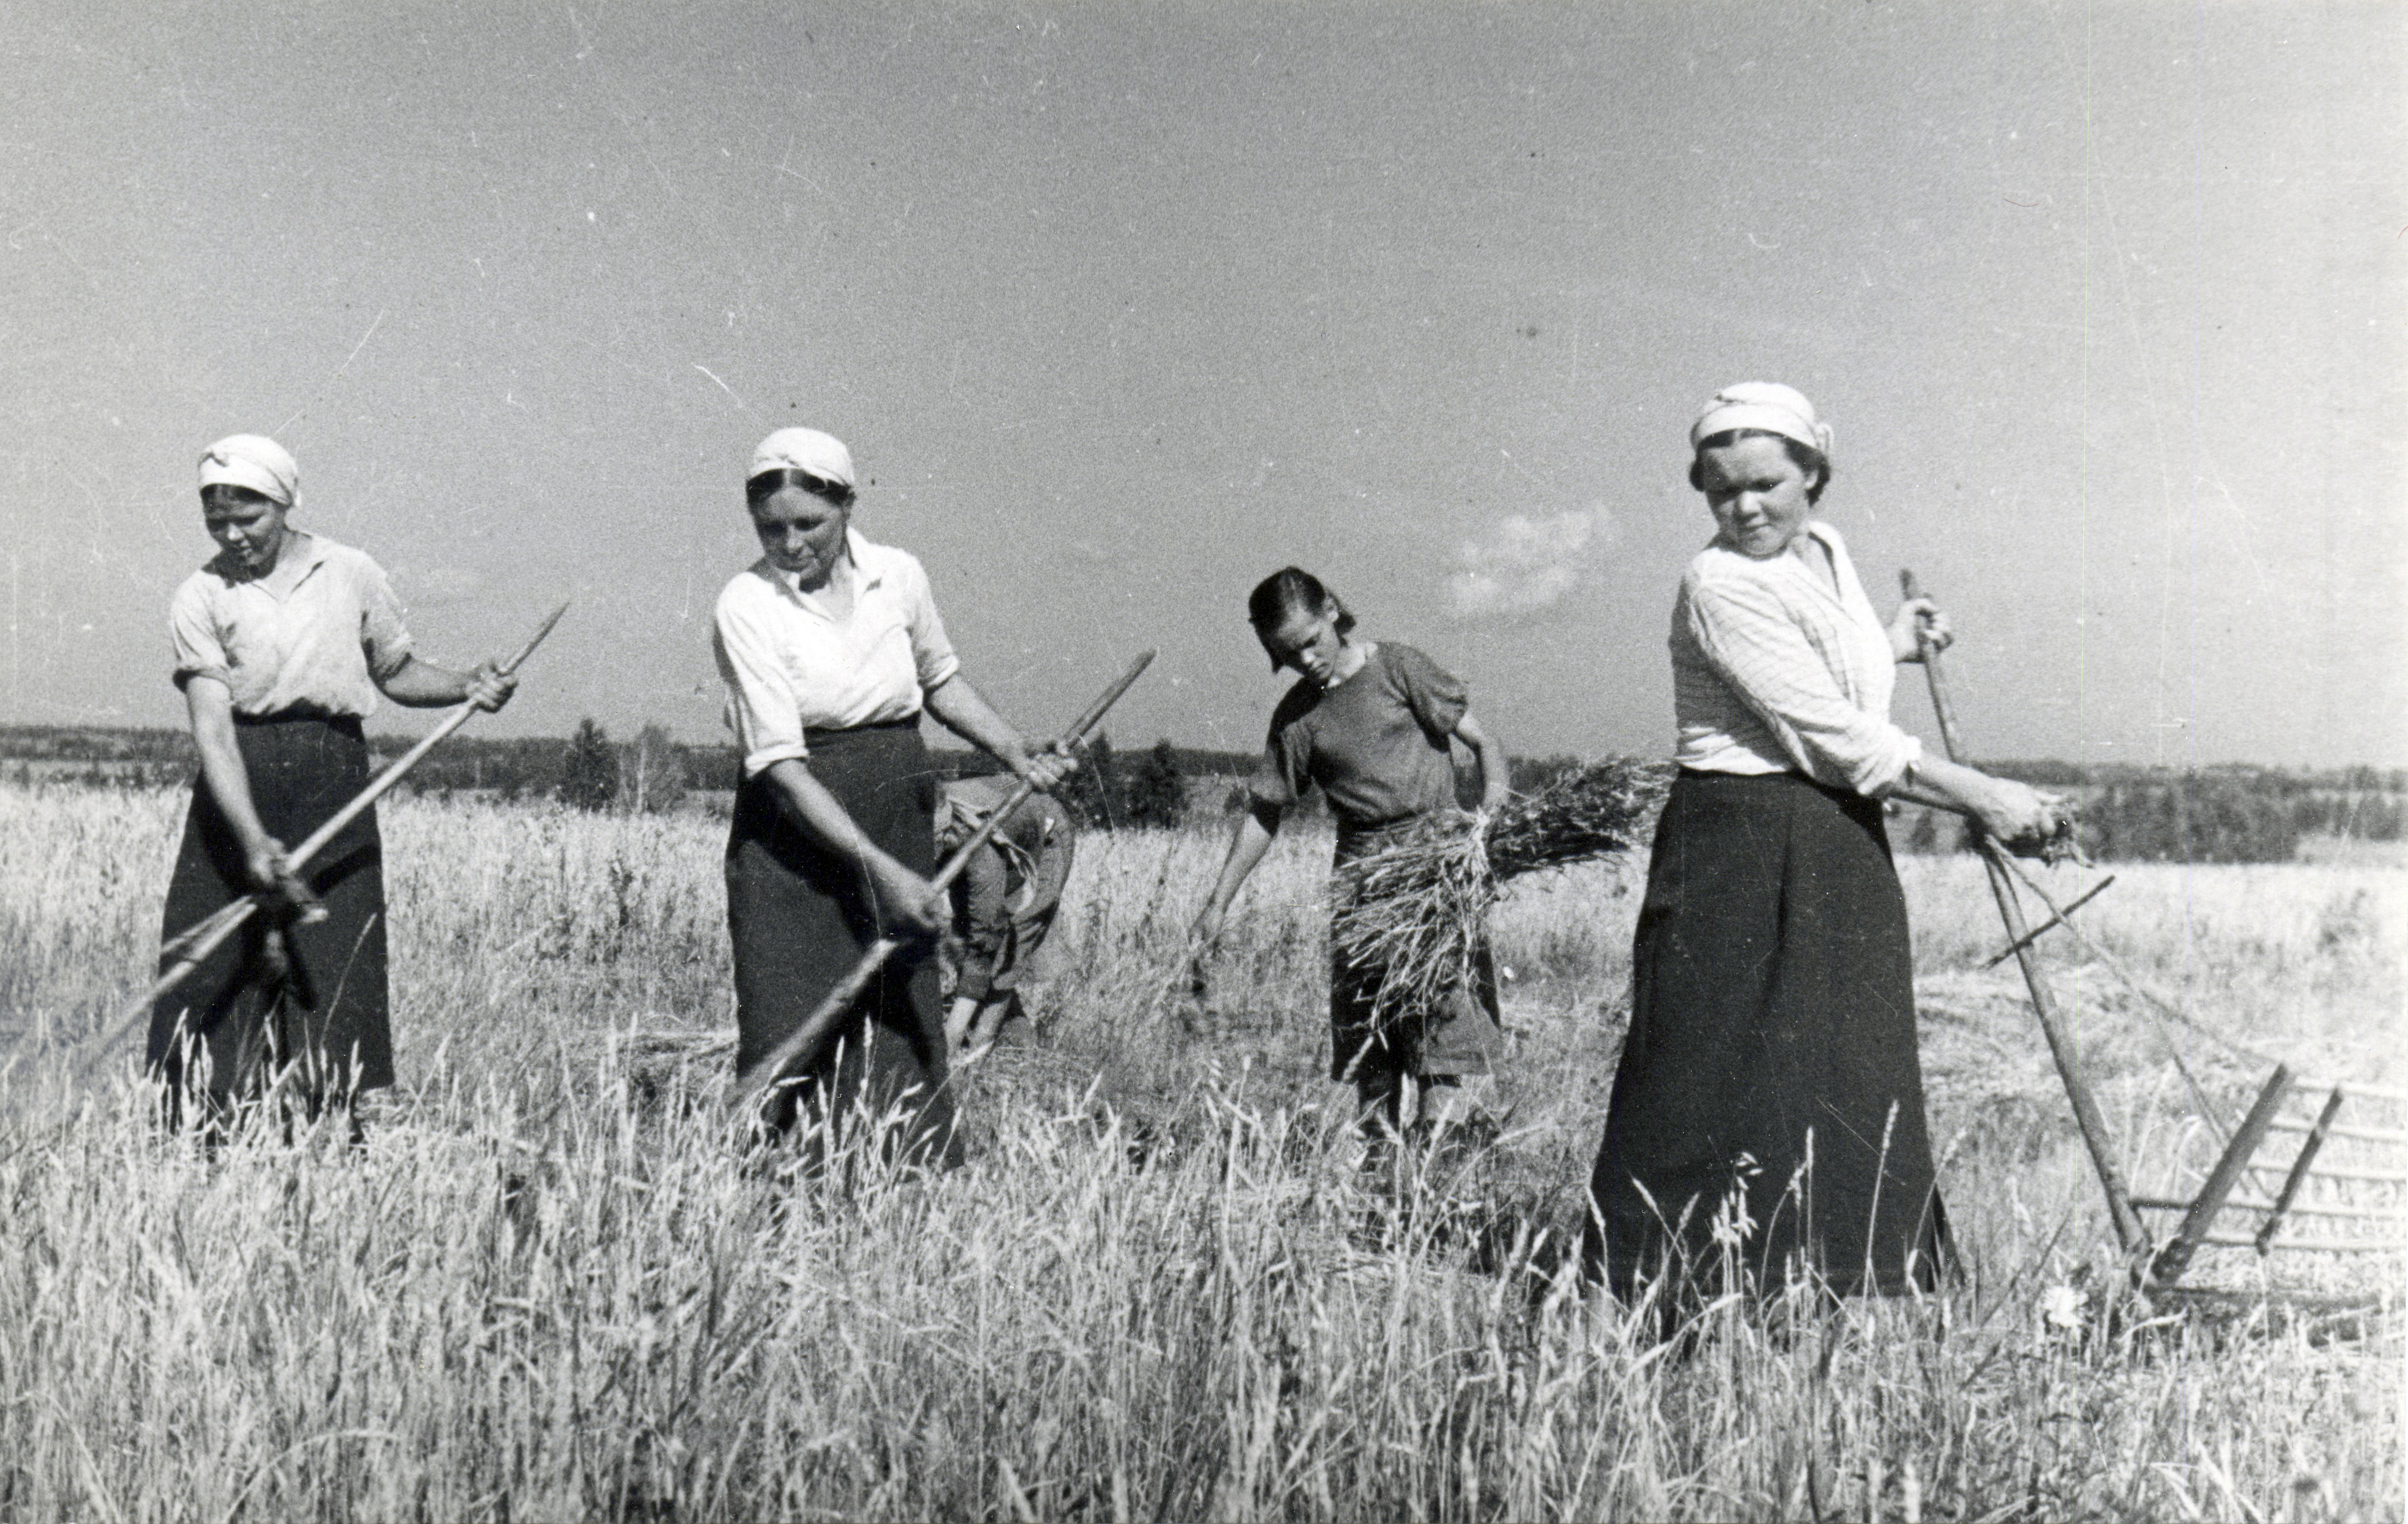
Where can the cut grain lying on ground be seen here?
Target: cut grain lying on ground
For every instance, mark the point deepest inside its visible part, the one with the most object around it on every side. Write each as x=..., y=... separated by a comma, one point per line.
x=1159, y=1288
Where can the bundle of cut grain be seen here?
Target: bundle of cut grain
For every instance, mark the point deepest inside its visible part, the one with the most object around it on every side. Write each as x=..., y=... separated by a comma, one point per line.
x=1413, y=907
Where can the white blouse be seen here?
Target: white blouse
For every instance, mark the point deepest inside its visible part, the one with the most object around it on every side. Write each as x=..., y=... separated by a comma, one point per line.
x=792, y=666
x=314, y=637
x=1773, y=673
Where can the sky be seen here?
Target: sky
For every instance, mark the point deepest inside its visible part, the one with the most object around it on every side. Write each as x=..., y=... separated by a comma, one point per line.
x=1122, y=306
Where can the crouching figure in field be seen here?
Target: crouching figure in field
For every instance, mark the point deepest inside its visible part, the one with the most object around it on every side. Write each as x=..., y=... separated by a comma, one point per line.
x=1004, y=902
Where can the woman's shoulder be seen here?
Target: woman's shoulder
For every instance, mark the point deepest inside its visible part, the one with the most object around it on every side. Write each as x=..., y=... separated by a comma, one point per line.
x=1717, y=563
x=751, y=590
x=887, y=560
x=1296, y=705
x=357, y=567
x=201, y=590
x=1410, y=664
x=1718, y=569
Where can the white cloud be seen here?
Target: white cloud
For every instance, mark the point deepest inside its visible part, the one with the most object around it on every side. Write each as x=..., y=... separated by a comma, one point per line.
x=1523, y=565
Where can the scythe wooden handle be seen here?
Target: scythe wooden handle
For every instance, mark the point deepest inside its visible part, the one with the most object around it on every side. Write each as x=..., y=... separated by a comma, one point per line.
x=191, y=947
x=805, y=1040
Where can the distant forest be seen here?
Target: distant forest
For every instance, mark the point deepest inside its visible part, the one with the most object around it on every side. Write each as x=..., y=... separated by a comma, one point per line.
x=2233, y=813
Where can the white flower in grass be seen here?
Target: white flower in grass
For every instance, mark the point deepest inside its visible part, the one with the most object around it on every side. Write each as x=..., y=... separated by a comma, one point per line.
x=2059, y=1309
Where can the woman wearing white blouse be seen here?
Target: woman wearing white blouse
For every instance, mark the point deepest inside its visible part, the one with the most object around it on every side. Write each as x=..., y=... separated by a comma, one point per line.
x=1771, y=1063
x=283, y=643
x=831, y=646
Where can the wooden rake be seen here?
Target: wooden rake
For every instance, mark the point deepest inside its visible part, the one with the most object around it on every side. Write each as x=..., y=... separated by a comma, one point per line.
x=2087, y=1117
x=189, y=948
x=2167, y=1264
x=803, y=1043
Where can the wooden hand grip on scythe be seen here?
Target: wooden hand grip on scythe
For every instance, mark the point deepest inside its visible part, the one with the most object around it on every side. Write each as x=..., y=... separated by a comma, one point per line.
x=804, y=1040
x=192, y=946
x=2127, y=1223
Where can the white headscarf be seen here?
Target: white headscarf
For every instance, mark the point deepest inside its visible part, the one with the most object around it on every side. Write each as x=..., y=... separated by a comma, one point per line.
x=255, y=461
x=1762, y=404
x=821, y=455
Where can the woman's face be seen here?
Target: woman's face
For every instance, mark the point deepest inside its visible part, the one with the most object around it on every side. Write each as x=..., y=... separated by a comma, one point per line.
x=248, y=528
x=1757, y=495
x=801, y=533
x=1308, y=642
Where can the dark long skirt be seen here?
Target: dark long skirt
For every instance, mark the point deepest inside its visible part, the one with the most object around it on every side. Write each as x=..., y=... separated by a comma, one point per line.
x=801, y=915
x=1771, y=1047
x=1456, y=1037
x=320, y=1021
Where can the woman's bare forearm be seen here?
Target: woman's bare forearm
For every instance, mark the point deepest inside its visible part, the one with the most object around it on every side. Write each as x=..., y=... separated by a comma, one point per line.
x=421, y=684
x=964, y=710
x=210, y=707
x=2010, y=811
x=807, y=801
x=1496, y=768
x=1247, y=844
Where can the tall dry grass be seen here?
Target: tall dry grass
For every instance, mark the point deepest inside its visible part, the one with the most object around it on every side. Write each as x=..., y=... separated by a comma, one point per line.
x=1161, y=1290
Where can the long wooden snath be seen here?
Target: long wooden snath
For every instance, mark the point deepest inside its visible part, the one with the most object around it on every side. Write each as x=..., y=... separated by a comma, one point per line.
x=2126, y=1222
x=803, y=1042
x=189, y=948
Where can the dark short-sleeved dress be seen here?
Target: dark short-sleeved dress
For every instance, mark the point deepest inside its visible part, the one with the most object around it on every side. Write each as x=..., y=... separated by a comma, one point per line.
x=1376, y=745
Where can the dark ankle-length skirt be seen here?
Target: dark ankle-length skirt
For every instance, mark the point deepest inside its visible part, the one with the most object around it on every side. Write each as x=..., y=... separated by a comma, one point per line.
x=320, y=1020
x=801, y=915
x=1771, y=1049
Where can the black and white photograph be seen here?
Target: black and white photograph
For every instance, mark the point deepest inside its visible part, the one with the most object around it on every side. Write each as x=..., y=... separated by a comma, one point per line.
x=1218, y=760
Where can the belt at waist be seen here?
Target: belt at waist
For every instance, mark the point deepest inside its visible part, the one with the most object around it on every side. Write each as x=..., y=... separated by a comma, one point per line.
x=345, y=725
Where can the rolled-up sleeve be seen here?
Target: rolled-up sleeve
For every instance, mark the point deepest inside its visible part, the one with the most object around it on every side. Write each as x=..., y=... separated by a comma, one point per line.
x=384, y=636
x=193, y=633
x=932, y=653
x=761, y=704
x=1756, y=649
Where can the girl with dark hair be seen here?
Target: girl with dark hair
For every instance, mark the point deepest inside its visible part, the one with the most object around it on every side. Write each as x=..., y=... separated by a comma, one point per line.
x=1769, y=1086
x=1371, y=723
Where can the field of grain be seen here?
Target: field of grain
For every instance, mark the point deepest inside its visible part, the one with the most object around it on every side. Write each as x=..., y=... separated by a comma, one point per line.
x=552, y=1289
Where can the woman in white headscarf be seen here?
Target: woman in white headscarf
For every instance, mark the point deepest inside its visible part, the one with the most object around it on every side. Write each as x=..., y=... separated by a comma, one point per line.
x=1769, y=1082
x=283, y=643
x=831, y=648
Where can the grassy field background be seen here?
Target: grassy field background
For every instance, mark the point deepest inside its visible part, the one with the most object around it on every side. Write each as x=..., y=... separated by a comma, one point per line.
x=1161, y=1290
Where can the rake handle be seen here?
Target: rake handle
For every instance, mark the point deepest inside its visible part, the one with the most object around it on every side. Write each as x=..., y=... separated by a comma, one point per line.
x=2086, y=1116
x=192, y=946
x=805, y=1039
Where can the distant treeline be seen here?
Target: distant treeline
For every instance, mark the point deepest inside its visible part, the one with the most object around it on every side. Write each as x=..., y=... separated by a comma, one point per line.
x=2221, y=814
x=2224, y=813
